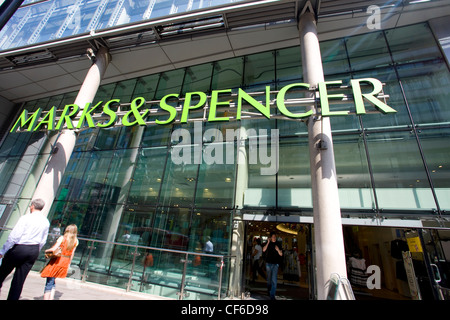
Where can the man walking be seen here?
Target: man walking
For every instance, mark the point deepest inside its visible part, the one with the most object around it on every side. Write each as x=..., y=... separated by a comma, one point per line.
x=273, y=254
x=22, y=247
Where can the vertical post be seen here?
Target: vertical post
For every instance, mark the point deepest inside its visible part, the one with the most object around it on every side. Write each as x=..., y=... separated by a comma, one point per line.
x=328, y=235
x=51, y=177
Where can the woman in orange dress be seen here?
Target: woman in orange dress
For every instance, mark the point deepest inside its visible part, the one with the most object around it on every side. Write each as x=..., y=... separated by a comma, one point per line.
x=58, y=267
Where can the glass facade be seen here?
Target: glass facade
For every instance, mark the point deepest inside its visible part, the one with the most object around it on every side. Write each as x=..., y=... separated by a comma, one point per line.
x=124, y=184
x=40, y=21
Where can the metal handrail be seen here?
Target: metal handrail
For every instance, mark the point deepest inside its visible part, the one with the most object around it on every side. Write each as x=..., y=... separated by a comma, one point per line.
x=338, y=288
x=91, y=246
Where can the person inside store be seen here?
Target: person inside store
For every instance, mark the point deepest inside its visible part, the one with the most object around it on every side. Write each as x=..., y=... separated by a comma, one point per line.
x=22, y=247
x=273, y=257
x=257, y=260
x=61, y=255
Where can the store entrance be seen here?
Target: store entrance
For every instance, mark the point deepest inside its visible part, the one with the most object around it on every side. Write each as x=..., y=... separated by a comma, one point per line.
x=293, y=281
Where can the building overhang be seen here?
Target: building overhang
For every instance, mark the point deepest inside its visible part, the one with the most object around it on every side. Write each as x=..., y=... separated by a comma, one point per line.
x=193, y=38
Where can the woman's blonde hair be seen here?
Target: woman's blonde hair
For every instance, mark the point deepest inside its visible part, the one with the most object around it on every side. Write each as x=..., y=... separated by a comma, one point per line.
x=71, y=236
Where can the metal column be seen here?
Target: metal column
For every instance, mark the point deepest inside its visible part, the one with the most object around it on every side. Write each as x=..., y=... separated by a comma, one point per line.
x=51, y=177
x=328, y=234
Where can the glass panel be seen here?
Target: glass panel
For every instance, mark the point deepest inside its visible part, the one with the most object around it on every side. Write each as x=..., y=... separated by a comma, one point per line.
x=120, y=173
x=198, y=78
x=352, y=171
x=48, y=20
x=146, y=87
x=399, y=174
x=135, y=225
x=94, y=187
x=334, y=57
x=105, y=93
x=124, y=90
x=106, y=139
x=171, y=228
x=260, y=189
x=406, y=48
x=86, y=139
x=156, y=135
x=16, y=143
x=436, y=147
x=214, y=225
x=158, y=272
x=72, y=181
x=259, y=69
x=391, y=87
x=170, y=83
x=227, y=74
x=182, y=167
x=426, y=89
x=215, y=185
x=368, y=51
x=294, y=180
x=289, y=65
x=147, y=176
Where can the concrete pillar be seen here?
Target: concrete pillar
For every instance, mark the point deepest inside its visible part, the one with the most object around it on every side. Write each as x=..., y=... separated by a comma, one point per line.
x=51, y=177
x=328, y=235
x=238, y=237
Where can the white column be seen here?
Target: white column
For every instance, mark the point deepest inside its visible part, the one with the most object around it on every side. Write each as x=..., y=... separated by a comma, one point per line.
x=328, y=235
x=51, y=177
x=238, y=241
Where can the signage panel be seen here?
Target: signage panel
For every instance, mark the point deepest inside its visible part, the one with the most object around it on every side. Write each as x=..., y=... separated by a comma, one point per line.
x=73, y=116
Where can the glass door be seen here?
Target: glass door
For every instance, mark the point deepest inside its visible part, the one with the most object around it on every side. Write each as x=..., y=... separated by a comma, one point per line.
x=437, y=250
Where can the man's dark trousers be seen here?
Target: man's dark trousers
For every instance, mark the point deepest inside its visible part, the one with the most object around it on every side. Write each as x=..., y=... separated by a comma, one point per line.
x=21, y=257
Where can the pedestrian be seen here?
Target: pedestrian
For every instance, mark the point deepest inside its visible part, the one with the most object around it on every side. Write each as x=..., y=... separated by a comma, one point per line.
x=58, y=266
x=22, y=247
x=273, y=254
x=257, y=260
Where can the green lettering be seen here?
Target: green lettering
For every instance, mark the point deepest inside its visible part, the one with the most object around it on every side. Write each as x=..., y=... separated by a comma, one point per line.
x=215, y=103
x=24, y=119
x=358, y=96
x=172, y=111
x=187, y=104
x=112, y=115
x=324, y=105
x=265, y=110
x=139, y=118
x=86, y=114
x=282, y=107
x=67, y=118
x=49, y=120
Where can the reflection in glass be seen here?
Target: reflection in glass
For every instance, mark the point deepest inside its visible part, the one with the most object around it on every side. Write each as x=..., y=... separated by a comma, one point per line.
x=436, y=148
x=368, y=51
x=147, y=177
x=412, y=44
x=352, y=172
x=294, y=179
x=426, y=88
x=399, y=174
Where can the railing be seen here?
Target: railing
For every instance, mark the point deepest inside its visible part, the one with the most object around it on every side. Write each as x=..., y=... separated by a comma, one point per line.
x=163, y=272
x=338, y=288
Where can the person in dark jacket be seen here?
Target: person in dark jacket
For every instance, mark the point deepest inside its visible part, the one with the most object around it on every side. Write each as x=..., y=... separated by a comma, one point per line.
x=273, y=254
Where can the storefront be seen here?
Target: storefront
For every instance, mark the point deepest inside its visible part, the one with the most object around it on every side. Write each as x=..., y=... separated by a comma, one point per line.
x=398, y=263
x=183, y=182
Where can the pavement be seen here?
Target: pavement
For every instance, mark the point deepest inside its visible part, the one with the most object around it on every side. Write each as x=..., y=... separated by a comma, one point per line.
x=71, y=289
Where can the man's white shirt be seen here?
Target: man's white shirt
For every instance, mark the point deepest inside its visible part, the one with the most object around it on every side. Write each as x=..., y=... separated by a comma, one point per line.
x=31, y=228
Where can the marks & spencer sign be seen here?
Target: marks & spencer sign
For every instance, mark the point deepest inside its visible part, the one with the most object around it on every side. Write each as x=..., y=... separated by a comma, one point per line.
x=71, y=116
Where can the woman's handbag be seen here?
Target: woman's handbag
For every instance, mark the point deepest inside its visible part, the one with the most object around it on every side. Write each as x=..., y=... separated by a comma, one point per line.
x=49, y=254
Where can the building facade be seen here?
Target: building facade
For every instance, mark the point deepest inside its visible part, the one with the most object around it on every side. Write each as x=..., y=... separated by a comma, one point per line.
x=204, y=139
